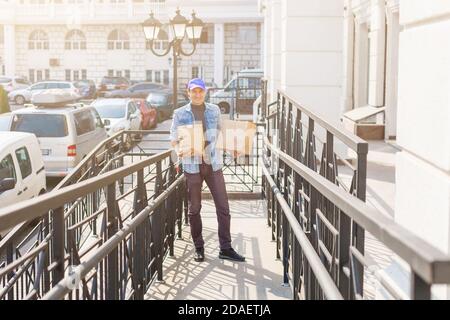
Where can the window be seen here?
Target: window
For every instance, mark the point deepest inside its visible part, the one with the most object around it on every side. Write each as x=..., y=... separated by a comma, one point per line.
x=38, y=40
x=52, y=85
x=75, y=40
x=248, y=34
x=84, y=122
x=4, y=122
x=75, y=75
x=166, y=77
x=23, y=158
x=39, y=75
x=162, y=42
x=139, y=87
x=7, y=169
x=31, y=75
x=110, y=73
x=98, y=119
x=131, y=109
x=127, y=74
x=195, y=72
x=149, y=75
x=38, y=86
x=42, y=125
x=158, y=76
x=118, y=40
x=115, y=111
x=63, y=85
x=207, y=35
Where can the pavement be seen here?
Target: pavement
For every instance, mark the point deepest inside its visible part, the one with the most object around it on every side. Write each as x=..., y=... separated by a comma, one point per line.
x=259, y=277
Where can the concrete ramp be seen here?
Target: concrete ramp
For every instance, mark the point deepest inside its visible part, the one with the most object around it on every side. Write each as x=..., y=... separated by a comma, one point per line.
x=259, y=278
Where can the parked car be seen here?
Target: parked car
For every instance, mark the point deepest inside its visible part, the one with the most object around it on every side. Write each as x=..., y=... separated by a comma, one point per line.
x=5, y=121
x=163, y=102
x=149, y=114
x=112, y=83
x=66, y=134
x=139, y=90
x=14, y=83
x=87, y=89
x=22, y=173
x=118, y=114
x=22, y=96
x=247, y=89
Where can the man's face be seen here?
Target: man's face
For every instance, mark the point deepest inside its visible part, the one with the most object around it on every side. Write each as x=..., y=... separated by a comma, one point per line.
x=197, y=95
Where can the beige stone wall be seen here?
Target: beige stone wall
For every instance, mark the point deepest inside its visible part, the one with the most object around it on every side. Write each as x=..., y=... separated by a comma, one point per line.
x=240, y=55
x=97, y=59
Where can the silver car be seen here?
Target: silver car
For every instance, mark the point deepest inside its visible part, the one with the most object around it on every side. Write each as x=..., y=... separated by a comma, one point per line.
x=66, y=134
x=22, y=96
x=14, y=83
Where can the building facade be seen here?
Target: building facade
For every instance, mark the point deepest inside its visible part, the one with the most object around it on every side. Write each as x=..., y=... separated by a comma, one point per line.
x=335, y=56
x=74, y=39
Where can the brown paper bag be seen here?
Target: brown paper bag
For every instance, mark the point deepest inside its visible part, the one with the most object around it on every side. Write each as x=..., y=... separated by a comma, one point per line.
x=236, y=136
x=191, y=140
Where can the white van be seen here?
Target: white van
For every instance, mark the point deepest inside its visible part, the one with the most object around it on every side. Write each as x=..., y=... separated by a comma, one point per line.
x=66, y=134
x=22, y=173
x=248, y=88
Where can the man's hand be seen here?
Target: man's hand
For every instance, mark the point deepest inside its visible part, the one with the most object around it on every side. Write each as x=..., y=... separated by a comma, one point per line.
x=184, y=152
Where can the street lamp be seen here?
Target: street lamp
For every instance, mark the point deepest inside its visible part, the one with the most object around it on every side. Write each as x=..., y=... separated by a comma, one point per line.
x=181, y=27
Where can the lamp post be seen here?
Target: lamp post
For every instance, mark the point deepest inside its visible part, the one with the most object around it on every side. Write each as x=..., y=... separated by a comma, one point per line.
x=180, y=27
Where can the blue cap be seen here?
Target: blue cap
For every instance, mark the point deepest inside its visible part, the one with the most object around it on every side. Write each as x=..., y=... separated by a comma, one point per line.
x=196, y=83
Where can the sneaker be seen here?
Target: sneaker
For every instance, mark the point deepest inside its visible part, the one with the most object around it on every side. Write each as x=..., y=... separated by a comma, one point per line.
x=199, y=255
x=230, y=254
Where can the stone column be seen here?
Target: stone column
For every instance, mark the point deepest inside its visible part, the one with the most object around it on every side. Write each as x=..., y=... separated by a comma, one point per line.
x=377, y=52
x=393, y=34
x=311, y=54
x=267, y=48
x=348, y=59
x=219, y=53
x=275, y=44
x=10, y=49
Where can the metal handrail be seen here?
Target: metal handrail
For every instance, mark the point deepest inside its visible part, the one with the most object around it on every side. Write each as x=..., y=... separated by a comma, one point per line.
x=330, y=289
x=336, y=128
x=431, y=264
x=63, y=287
x=33, y=208
x=119, y=136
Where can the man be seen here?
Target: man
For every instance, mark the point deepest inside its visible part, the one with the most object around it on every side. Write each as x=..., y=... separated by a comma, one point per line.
x=206, y=168
x=4, y=104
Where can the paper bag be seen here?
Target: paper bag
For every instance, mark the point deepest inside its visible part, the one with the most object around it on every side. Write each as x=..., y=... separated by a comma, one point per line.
x=236, y=136
x=191, y=140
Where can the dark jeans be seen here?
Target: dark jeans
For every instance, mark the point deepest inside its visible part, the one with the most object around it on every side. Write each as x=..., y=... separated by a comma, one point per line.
x=216, y=184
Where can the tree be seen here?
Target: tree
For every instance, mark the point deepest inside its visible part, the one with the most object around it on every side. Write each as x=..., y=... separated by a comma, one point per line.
x=4, y=104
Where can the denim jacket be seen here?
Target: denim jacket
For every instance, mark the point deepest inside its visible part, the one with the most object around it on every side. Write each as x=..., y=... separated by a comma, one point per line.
x=185, y=116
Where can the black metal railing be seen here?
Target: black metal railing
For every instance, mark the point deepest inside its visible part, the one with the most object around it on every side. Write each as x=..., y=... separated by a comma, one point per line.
x=315, y=216
x=106, y=191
